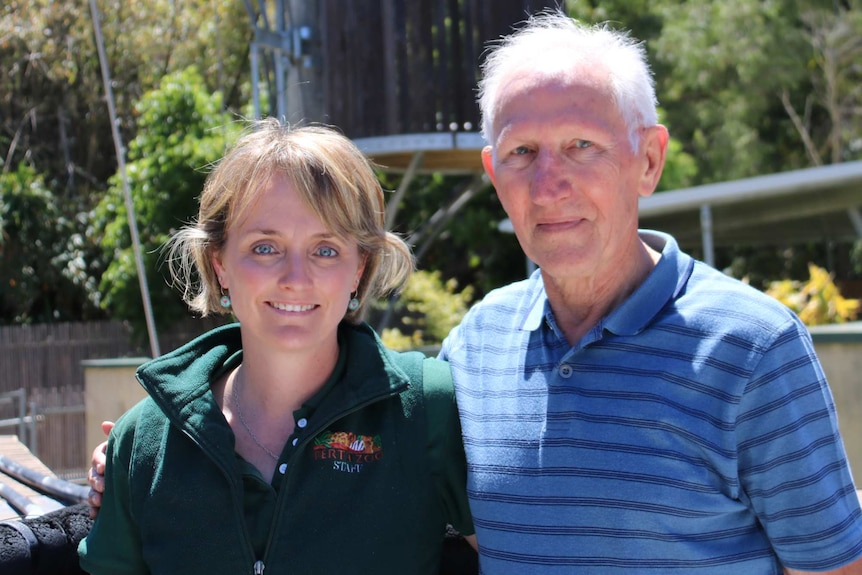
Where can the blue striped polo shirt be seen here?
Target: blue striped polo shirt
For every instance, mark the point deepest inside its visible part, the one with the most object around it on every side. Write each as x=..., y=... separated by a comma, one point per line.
x=691, y=431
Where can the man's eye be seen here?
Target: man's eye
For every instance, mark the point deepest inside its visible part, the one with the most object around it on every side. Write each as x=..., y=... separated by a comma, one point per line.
x=327, y=252
x=263, y=249
x=581, y=144
x=521, y=150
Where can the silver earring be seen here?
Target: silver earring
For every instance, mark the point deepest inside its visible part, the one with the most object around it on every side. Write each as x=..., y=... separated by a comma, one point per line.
x=225, y=301
x=353, y=305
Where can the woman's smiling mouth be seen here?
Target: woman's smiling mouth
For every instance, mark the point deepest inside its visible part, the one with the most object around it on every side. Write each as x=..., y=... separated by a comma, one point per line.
x=292, y=308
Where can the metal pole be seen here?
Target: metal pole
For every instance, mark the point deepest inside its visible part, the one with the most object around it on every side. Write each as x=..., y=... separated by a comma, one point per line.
x=255, y=78
x=23, y=430
x=392, y=204
x=855, y=215
x=280, y=85
x=121, y=165
x=706, y=234
x=34, y=439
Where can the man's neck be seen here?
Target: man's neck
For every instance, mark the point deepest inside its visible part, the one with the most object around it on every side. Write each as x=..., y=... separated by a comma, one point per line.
x=580, y=303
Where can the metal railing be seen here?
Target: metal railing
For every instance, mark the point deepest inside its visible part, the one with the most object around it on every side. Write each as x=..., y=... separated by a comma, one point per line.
x=25, y=422
x=50, y=423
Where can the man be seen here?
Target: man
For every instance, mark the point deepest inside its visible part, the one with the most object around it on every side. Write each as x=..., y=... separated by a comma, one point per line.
x=627, y=409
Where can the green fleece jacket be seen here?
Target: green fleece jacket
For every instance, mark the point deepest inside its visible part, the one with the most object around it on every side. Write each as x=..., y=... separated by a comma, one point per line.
x=366, y=484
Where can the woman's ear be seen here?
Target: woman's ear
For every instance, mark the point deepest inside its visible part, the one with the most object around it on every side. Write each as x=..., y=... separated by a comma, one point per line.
x=215, y=262
x=359, y=272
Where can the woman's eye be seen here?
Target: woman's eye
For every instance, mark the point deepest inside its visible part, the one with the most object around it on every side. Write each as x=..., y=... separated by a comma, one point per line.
x=263, y=249
x=327, y=252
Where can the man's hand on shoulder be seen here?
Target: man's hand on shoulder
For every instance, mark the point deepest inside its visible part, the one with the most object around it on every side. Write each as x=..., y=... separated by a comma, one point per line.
x=96, y=476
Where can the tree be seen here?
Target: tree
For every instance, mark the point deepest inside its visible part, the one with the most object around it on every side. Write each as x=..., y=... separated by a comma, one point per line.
x=830, y=122
x=32, y=241
x=181, y=130
x=53, y=115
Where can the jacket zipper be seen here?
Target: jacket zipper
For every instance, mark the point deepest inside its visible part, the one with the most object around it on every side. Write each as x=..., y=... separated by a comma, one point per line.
x=258, y=566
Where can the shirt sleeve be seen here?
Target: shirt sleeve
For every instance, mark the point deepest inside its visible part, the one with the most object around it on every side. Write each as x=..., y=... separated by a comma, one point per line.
x=792, y=463
x=113, y=545
x=445, y=445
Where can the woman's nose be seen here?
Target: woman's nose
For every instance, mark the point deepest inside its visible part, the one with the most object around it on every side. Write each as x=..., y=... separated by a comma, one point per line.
x=294, y=270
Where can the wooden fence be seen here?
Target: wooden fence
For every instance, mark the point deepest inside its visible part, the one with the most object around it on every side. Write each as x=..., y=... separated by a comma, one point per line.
x=42, y=381
x=49, y=356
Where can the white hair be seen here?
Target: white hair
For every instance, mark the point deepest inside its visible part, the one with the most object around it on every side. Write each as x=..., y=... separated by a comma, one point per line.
x=553, y=41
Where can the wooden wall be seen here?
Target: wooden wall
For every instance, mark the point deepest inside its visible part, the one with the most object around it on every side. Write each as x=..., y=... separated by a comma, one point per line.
x=409, y=66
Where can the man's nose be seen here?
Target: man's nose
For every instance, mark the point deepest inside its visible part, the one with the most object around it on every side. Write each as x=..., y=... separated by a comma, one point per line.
x=551, y=182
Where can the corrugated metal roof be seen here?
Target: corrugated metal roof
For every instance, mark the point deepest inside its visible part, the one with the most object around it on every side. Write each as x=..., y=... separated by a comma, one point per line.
x=810, y=205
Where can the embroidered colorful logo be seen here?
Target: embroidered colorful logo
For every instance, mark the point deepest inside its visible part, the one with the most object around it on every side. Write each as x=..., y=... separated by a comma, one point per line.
x=349, y=452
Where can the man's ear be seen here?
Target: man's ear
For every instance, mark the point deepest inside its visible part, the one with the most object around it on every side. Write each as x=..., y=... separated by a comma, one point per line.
x=654, y=148
x=488, y=163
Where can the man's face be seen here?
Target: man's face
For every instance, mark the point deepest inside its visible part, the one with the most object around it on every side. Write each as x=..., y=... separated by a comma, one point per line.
x=564, y=170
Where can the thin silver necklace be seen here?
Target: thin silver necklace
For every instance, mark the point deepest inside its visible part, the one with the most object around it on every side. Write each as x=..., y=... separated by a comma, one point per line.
x=244, y=424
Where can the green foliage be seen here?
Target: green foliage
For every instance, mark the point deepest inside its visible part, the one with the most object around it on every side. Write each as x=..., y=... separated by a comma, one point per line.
x=469, y=248
x=53, y=115
x=32, y=235
x=181, y=130
x=817, y=301
x=750, y=86
x=680, y=168
x=428, y=308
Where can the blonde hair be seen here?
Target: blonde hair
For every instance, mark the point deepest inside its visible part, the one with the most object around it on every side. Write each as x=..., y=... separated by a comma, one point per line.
x=334, y=178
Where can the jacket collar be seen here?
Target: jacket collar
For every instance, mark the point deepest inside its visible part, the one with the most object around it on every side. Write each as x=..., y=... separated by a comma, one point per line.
x=179, y=381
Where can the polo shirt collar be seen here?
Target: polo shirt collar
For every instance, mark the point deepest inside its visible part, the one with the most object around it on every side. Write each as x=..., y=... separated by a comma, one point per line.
x=666, y=280
x=537, y=306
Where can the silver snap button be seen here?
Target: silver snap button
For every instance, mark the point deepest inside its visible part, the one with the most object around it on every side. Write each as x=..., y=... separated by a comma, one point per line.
x=282, y=468
x=302, y=422
x=295, y=441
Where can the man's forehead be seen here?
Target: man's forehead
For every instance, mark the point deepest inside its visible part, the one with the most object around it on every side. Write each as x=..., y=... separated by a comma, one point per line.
x=537, y=98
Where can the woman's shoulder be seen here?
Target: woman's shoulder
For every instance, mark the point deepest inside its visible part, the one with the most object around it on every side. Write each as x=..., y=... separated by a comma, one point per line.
x=144, y=418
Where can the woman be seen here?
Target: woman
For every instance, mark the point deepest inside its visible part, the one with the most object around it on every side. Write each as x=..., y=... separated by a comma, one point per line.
x=292, y=441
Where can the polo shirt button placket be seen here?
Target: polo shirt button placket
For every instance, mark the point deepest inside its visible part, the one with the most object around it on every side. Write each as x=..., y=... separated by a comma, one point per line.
x=301, y=423
x=566, y=371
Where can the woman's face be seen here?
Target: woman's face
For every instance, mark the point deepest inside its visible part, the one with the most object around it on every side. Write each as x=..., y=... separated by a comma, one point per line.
x=289, y=277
